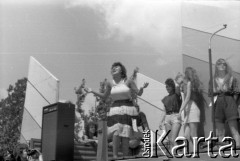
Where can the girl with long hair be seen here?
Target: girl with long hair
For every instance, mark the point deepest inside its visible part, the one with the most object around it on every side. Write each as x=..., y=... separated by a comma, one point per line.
x=193, y=104
x=226, y=89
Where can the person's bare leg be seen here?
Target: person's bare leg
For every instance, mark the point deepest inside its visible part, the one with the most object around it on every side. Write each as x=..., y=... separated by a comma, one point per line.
x=187, y=135
x=167, y=128
x=220, y=130
x=116, y=141
x=193, y=133
x=233, y=125
x=175, y=131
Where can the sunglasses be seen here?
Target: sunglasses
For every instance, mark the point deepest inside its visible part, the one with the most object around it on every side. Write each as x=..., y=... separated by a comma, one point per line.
x=222, y=63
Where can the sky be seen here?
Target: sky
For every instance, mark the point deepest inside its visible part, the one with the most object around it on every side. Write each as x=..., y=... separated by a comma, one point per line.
x=207, y=18
x=76, y=39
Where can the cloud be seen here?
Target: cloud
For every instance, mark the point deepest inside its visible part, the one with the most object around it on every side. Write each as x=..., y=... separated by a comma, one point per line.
x=3, y=93
x=233, y=5
x=160, y=61
x=147, y=22
x=32, y=2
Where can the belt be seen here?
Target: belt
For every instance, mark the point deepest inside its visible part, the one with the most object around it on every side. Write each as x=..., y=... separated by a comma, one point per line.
x=171, y=112
x=122, y=103
x=221, y=94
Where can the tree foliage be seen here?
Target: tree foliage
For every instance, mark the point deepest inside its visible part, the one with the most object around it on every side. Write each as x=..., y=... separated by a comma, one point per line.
x=11, y=111
x=93, y=115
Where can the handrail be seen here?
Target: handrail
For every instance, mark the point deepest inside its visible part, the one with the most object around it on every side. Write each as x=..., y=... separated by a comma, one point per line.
x=151, y=104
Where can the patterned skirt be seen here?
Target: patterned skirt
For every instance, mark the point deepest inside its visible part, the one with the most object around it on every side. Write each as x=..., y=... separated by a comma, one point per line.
x=120, y=118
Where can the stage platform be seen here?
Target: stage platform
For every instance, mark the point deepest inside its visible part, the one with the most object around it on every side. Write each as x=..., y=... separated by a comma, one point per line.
x=203, y=157
x=88, y=153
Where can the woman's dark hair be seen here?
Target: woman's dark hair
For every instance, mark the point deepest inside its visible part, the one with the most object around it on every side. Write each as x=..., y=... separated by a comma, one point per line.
x=87, y=127
x=170, y=83
x=124, y=71
x=32, y=152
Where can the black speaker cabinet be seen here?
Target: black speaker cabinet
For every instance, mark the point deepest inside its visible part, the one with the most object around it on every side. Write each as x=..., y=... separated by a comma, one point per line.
x=58, y=132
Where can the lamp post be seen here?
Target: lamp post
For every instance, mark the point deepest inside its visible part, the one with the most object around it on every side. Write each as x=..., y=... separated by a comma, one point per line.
x=211, y=77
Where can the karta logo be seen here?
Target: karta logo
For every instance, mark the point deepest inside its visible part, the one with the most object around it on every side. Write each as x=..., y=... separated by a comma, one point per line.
x=151, y=140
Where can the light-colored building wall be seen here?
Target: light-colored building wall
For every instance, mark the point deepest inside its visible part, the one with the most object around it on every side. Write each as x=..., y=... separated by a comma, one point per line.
x=199, y=21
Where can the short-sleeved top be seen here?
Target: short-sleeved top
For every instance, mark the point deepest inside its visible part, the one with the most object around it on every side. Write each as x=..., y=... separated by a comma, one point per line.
x=172, y=103
x=120, y=91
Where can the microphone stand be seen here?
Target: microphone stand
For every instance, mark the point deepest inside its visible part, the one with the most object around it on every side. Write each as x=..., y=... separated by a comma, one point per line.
x=211, y=78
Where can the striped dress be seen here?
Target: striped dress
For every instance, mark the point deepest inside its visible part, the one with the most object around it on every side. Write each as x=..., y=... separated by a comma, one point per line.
x=122, y=110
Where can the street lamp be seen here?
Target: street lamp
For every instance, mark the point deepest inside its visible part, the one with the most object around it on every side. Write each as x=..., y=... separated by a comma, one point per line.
x=211, y=77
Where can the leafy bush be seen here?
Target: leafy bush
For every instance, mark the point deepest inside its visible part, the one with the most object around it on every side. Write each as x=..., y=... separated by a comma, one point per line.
x=11, y=111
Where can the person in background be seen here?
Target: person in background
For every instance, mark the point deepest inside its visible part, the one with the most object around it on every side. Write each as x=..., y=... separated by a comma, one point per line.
x=91, y=131
x=21, y=151
x=178, y=84
x=193, y=104
x=179, y=90
x=9, y=155
x=90, y=136
x=225, y=89
x=122, y=110
x=136, y=139
x=34, y=155
x=142, y=120
x=172, y=103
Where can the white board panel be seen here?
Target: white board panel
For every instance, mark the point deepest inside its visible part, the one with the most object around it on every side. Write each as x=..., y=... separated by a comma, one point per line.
x=42, y=89
x=151, y=100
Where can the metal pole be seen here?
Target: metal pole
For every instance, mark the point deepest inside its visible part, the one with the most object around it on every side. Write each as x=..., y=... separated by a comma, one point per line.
x=211, y=91
x=211, y=78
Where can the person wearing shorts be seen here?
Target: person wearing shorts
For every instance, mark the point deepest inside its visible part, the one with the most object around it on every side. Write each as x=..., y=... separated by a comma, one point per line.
x=226, y=90
x=172, y=104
